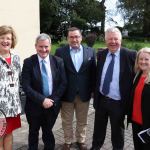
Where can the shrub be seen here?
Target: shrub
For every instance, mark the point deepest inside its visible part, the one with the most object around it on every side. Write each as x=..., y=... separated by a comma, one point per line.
x=90, y=39
x=133, y=45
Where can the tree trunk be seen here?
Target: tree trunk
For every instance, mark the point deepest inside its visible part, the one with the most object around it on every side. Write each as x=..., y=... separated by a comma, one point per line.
x=146, y=19
x=103, y=8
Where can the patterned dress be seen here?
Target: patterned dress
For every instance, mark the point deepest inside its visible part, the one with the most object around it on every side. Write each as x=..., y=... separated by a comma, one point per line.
x=10, y=71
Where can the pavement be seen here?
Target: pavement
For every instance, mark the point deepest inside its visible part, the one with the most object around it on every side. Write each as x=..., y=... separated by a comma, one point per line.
x=21, y=135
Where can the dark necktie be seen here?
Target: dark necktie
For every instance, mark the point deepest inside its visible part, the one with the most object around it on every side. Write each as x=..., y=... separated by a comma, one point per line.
x=108, y=76
x=44, y=79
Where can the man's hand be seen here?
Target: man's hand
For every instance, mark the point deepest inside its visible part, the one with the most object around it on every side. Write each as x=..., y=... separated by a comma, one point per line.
x=47, y=103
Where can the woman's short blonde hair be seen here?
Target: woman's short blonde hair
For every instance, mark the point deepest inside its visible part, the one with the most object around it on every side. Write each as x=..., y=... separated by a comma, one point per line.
x=6, y=30
x=136, y=67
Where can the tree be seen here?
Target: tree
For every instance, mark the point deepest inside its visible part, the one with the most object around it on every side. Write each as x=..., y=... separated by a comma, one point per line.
x=57, y=15
x=48, y=14
x=52, y=16
x=136, y=15
x=91, y=11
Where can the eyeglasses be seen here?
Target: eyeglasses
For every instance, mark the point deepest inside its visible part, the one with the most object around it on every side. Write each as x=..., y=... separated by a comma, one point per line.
x=74, y=37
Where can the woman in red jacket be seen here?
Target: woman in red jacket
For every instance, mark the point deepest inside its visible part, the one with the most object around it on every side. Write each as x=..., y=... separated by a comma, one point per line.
x=139, y=113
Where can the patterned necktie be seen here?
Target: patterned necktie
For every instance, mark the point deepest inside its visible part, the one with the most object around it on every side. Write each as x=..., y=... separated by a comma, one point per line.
x=44, y=79
x=108, y=76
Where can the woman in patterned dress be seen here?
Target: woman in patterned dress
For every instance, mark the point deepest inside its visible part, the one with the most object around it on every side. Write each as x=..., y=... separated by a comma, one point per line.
x=10, y=71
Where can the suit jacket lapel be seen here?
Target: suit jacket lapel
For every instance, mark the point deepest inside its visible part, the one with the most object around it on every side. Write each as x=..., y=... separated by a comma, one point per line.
x=52, y=67
x=36, y=69
x=101, y=62
x=122, y=64
x=85, y=58
x=104, y=54
x=68, y=60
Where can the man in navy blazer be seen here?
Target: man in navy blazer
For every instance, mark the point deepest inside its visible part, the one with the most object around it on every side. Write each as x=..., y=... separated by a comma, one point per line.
x=42, y=109
x=112, y=105
x=80, y=65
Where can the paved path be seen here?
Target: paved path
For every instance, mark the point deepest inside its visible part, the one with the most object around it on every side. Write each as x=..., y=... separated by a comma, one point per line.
x=20, y=135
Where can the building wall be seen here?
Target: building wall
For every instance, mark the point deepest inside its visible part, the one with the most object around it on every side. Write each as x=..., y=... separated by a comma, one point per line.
x=23, y=16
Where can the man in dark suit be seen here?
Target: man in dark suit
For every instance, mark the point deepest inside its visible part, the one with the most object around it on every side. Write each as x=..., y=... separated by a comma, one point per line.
x=80, y=67
x=113, y=88
x=44, y=82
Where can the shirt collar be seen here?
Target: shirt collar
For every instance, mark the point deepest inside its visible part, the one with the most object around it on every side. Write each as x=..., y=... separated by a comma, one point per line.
x=45, y=59
x=116, y=53
x=80, y=48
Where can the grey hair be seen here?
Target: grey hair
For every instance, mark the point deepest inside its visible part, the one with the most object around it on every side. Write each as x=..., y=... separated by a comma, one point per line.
x=113, y=30
x=43, y=36
x=136, y=67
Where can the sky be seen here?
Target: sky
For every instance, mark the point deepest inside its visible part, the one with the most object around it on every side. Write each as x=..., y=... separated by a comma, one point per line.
x=112, y=10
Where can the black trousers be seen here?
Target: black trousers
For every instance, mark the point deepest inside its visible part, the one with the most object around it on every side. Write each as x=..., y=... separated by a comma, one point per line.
x=45, y=121
x=138, y=145
x=109, y=108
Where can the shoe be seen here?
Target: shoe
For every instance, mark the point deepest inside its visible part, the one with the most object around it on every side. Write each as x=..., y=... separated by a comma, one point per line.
x=66, y=146
x=82, y=146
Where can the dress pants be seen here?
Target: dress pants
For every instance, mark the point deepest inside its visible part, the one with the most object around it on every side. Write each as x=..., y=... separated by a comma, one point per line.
x=46, y=121
x=138, y=145
x=67, y=114
x=109, y=108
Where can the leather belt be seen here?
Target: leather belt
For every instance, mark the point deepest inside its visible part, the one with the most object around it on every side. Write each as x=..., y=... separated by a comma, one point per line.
x=105, y=97
x=111, y=99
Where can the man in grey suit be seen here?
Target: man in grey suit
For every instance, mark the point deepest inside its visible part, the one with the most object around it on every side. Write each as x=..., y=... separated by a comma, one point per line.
x=80, y=67
x=112, y=89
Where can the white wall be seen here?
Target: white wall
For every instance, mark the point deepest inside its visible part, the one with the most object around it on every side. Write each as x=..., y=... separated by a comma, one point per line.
x=23, y=16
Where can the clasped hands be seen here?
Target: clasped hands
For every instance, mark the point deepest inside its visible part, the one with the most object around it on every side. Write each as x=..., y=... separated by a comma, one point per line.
x=47, y=103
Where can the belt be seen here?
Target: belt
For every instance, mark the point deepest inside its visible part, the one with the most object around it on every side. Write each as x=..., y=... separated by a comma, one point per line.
x=106, y=97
